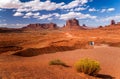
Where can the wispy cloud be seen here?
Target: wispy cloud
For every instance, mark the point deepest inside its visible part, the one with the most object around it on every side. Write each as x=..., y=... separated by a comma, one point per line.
x=74, y=3
x=101, y=10
x=18, y=14
x=93, y=10
x=107, y=10
x=36, y=5
x=8, y=4
x=13, y=25
x=31, y=14
x=27, y=9
x=77, y=15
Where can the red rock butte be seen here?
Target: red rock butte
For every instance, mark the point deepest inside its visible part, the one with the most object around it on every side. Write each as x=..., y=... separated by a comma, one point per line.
x=73, y=24
x=70, y=24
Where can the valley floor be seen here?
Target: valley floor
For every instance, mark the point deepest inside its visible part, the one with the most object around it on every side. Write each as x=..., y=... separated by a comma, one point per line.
x=37, y=67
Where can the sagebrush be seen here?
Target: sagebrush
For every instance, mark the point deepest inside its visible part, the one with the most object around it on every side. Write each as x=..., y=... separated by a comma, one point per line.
x=88, y=66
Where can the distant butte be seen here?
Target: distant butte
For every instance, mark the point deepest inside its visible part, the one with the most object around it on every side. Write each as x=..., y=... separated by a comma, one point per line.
x=73, y=24
x=39, y=26
x=70, y=24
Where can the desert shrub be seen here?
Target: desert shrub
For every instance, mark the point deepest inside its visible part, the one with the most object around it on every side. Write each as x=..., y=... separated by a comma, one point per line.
x=88, y=66
x=57, y=62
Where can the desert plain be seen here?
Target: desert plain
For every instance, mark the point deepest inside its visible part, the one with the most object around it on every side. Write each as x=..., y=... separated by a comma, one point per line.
x=26, y=54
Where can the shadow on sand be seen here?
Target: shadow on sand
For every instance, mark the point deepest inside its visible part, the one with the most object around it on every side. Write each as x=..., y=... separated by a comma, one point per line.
x=102, y=76
x=38, y=51
x=9, y=48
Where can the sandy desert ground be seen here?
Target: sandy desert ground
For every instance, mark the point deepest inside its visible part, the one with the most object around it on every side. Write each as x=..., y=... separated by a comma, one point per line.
x=26, y=55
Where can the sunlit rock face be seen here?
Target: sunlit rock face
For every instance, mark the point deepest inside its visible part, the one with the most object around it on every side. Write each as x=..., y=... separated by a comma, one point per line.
x=73, y=24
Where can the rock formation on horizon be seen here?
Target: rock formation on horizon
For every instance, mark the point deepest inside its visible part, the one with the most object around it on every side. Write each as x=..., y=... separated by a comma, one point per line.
x=100, y=27
x=39, y=26
x=9, y=30
x=118, y=23
x=72, y=24
x=84, y=25
x=113, y=22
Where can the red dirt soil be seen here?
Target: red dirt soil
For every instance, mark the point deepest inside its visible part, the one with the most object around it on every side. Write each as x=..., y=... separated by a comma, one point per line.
x=37, y=67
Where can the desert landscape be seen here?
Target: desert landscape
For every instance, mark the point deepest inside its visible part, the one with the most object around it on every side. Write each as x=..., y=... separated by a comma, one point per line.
x=25, y=53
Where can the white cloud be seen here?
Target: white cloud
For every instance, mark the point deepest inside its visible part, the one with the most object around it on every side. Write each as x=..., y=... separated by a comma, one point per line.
x=10, y=4
x=23, y=9
x=74, y=3
x=38, y=16
x=76, y=15
x=18, y=14
x=45, y=16
x=66, y=16
x=30, y=14
x=49, y=16
x=93, y=10
x=80, y=8
x=107, y=10
x=36, y=5
x=111, y=9
x=29, y=6
x=50, y=19
x=103, y=10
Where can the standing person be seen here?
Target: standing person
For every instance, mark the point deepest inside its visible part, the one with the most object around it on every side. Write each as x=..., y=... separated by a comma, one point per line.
x=91, y=43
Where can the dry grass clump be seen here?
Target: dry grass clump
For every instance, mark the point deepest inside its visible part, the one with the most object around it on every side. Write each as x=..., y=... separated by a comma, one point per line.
x=58, y=62
x=88, y=66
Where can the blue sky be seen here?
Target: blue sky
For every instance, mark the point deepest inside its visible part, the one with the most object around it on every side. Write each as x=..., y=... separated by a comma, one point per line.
x=93, y=13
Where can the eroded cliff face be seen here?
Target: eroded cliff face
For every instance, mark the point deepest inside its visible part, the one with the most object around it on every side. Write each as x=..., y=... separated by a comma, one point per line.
x=73, y=24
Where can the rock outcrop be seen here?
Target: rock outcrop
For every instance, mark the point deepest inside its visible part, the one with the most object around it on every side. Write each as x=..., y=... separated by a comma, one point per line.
x=38, y=26
x=100, y=27
x=113, y=26
x=113, y=22
x=10, y=30
x=118, y=23
x=72, y=24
